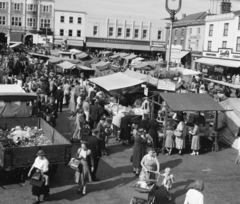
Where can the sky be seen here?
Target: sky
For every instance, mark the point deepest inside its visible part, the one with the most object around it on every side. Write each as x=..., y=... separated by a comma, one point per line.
x=149, y=9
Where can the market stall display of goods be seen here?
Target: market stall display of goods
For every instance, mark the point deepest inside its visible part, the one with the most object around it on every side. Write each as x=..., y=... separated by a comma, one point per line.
x=114, y=108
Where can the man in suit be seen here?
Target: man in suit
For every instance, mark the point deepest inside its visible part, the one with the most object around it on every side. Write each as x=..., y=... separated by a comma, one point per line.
x=52, y=110
x=59, y=97
x=125, y=128
x=94, y=146
x=95, y=114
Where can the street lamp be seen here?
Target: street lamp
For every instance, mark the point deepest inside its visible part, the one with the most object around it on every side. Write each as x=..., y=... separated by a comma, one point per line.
x=172, y=12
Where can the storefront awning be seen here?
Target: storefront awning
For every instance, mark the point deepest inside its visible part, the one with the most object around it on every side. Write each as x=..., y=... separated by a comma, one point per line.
x=235, y=86
x=220, y=62
x=179, y=55
x=115, y=81
x=185, y=72
x=191, y=102
x=76, y=43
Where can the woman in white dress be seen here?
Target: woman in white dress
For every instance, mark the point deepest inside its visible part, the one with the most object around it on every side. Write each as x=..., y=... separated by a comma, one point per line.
x=194, y=195
x=181, y=141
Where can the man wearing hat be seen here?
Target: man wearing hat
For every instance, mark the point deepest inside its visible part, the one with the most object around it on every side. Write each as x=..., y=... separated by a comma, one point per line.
x=95, y=147
x=59, y=97
x=95, y=113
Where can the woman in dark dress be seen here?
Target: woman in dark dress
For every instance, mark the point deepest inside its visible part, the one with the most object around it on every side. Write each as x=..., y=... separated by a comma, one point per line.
x=152, y=128
x=125, y=127
x=139, y=150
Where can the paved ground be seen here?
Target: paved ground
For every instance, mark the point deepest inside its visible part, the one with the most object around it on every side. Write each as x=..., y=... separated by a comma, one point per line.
x=217, y=170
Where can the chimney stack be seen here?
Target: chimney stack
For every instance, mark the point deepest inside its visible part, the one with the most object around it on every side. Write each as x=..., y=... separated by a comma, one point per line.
x=225, y=6
x=184, y=15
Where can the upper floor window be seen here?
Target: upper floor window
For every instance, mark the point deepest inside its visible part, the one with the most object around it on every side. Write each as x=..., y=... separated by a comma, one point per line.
x=79, y=33
x=16, y=6
x=61, y=32
x=239, y=23
x=16, y=21
x=209, y=48
x=45, y=23
x=144, y=36
x=210, y=30
x=198, y=30
x=95, y=30
x=32, y=7
x=46, y=8
x=2, y=20
x=176, y=31
x=79, y=20
x=182, y=42
x=2, y=5
x=128, y=32
x=31, y=22
x=224, y=44
x=70, y=32
x=175, y=42
x=183, y=31
x=159, y=36
x=110, y=31
x=136, y=32
x=197, y=43
x=70, y=19
x=119, y=32
x=62, y=19
x=190, y=30
x=238, y=44
x=225, y=31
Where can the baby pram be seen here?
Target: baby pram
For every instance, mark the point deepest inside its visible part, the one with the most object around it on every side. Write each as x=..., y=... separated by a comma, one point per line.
x=145, y=195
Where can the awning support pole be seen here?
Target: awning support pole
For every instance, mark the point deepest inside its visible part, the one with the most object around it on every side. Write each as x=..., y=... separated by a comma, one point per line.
x=165, y=129
x=216, y=137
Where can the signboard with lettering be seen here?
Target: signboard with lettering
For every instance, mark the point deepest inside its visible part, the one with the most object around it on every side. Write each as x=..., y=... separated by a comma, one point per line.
x=194, y=37
x=158, y=44
x=166, y=85
x=223, y=54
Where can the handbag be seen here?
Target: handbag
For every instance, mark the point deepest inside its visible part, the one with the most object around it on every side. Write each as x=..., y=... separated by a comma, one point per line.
x=76, y=165
x=177, y=133
x=37, y=180
x=37, y=176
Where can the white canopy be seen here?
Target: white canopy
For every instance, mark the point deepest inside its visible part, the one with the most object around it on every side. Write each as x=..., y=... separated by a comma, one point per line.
x=85, y=68
x=221, y=62
x=132, y=56
x=75, y=51
x=185, y=72
x=15, y=45
x=66, y=65
x=116, y=81
x=11, y=88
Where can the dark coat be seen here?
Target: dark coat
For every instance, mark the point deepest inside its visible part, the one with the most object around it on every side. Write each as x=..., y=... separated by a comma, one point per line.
x=59, y=94
x=143, y=124
x=152, y=129
x=94, y=112
x=94, y=146
x=125, y=127
x=51, y=109
x=139, y=150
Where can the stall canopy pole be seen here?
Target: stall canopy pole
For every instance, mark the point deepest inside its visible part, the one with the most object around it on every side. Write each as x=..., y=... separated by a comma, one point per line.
x=216, y=137
x=118, y=105
x=165, y=129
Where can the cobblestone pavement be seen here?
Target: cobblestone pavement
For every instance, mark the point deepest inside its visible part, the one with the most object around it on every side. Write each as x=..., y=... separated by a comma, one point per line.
x=217, y=169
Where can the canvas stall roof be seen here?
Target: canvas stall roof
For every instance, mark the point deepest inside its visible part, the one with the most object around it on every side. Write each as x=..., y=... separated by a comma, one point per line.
x=15, y=45
x=137, y=60
x=84, y=68
x=82, y=55
x=191, y=102
x=141, y=65
x=132, y=56
x=221, y=62
x=115, y=81
x=38, y=55
x=55, y=60
x=235, y=86
x=115, y=56
x=123, y=55
x=17, y=96
x=75, y=51
x=153, y=63
x=184, y=71
x=67, y=65
x=106, y=52
x=11, y=88
x=101, y=65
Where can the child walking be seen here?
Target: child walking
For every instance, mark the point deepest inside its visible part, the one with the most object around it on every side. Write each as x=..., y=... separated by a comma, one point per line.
x=168, y=181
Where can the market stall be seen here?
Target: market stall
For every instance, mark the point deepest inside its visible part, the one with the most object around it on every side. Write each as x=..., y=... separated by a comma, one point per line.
x=101, y=65
x=189, y=102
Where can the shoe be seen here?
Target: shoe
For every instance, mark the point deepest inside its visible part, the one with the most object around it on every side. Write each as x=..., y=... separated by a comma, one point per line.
x=197, y=153
x=96, y=180
x=84, y=191
x=193, y=154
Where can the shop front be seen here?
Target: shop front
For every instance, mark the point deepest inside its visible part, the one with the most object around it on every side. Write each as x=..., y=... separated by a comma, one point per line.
x=16, y=37
x=158, y=49
x=117, y=44
x=73, y=42
x=222, y=65
x=195, y=55
x=179, y=57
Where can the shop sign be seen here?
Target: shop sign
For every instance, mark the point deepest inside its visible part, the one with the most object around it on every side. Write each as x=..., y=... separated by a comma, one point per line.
x=218, y=69
x=166, y=85
x=195, y=37
x=223, y=54
x=158, y=44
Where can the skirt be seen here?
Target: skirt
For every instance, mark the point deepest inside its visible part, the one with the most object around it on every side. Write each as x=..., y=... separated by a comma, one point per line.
x=195, y=143
x=169, y=143
x=180, y=142
x=85, y=176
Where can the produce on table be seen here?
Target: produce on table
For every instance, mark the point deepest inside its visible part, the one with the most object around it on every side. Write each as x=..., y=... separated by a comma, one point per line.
x=27, y=137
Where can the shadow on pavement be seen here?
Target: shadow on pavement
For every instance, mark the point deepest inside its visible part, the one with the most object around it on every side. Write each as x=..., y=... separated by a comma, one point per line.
x=171, y=164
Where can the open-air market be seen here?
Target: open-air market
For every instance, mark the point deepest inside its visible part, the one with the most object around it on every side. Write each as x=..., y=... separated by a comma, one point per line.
x=102, y=104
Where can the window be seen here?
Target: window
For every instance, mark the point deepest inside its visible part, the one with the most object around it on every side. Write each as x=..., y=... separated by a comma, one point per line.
x=79, y=20
x=176, y=31
x=61, y=32
x=95, y=30
x=2, y=20
x=128, y=32
x=175, y=42
x=210, y=30
x=136, y=33
x=159, y=37
x=238, y=45
x=70, y=33
x=110, y=31
x=197, y=43
x=16, y=6
x=182, y=42
x=239, y=23
x=70, y=19
x=31, y=22
x=46, y=9
x=32, y=7
x=62, y=19
x=16, y=21
x=79, y=33
x=45, y=23
x=144, y=34
x=224, y=44
x=209, y=48
x=190, y=31
x=183, y=31
x=189, y=44
x=198, y=30
x=2, y=5
x=225, y=31
x=119, y=32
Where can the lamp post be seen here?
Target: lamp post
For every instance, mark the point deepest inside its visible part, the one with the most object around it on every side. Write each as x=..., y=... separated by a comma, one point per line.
x=172, y=13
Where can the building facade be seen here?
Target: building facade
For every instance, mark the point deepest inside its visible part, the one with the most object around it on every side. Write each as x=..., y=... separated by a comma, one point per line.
x=124, y=34
x=221, y=50
x=20, y=20
x=70, y=26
